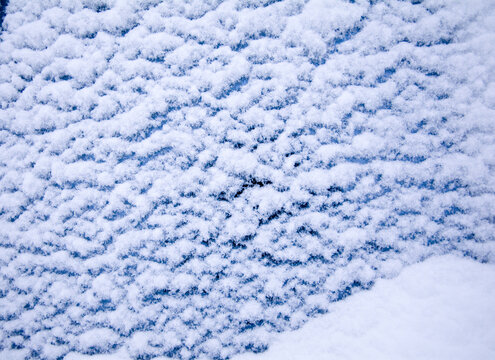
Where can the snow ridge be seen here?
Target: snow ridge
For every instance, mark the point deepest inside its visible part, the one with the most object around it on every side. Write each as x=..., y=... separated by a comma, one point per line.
x=184, y=178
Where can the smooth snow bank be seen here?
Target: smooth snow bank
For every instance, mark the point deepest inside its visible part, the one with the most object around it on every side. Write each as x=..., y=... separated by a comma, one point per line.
x=439, y=309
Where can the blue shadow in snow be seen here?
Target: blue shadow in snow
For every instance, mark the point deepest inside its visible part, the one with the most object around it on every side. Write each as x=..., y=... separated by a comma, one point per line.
x=3, y=11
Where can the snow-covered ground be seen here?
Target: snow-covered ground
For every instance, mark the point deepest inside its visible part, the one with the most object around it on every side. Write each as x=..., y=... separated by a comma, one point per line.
x=439, y=309
x=189, y=178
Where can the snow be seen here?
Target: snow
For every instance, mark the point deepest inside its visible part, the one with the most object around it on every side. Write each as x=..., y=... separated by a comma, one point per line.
x=441, y=308
x=188, y=178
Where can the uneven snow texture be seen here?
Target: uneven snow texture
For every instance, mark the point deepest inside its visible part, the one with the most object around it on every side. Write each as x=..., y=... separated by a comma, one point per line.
x=441, y=309
x=3, y=6
x=185, y=178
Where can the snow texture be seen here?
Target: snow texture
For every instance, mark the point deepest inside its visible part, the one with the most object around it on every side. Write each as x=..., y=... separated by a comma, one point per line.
x=440, y=309
x=3, y=6
x=187, y=178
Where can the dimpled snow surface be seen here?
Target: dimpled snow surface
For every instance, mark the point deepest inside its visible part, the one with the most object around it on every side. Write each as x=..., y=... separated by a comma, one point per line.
x=187, y=178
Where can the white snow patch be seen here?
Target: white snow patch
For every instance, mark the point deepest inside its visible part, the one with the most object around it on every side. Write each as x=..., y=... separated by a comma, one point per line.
x=441, y=308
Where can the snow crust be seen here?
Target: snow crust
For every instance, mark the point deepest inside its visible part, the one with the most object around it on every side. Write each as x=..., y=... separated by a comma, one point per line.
x=187, y=178
x=439, y=309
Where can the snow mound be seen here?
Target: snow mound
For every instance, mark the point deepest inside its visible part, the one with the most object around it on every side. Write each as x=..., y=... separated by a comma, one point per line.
x=439, y=309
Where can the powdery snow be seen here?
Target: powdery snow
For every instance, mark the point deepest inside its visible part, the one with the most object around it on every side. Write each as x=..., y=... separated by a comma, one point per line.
x=439, y=309
x=187, y=178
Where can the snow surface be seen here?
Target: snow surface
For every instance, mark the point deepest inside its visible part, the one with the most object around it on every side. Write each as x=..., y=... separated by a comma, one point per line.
x=187, y=178
x=439, y=309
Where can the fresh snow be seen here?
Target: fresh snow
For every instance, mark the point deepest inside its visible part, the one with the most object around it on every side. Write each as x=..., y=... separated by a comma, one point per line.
x=190, y=178
x=439, y=309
